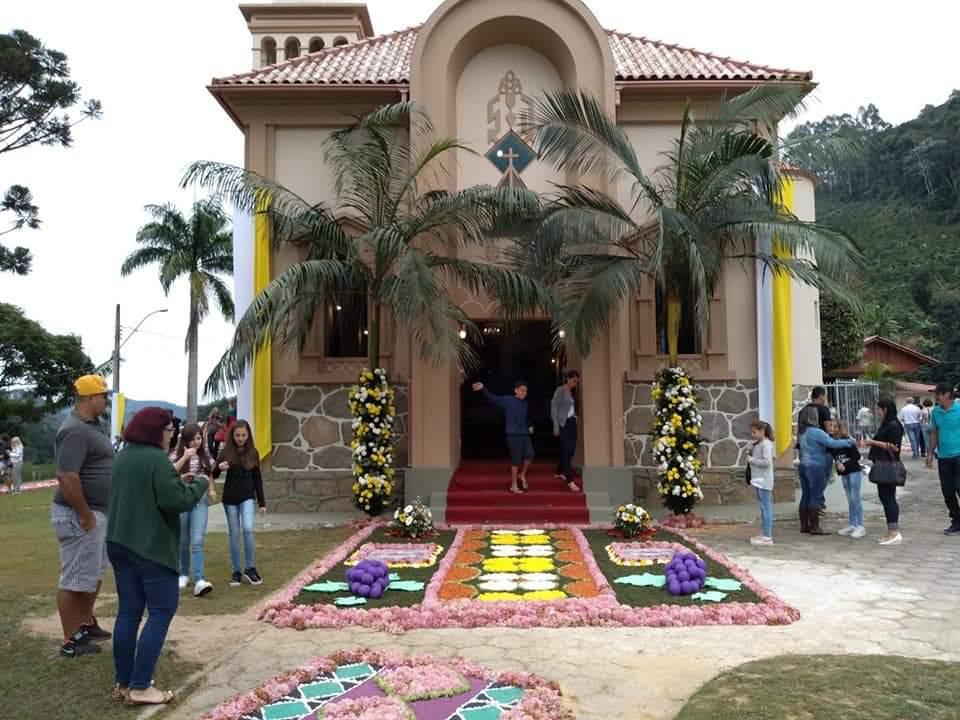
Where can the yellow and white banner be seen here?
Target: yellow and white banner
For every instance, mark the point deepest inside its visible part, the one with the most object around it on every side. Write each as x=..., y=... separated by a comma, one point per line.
x=251, y=274
x=118, y=410
x=775, y=337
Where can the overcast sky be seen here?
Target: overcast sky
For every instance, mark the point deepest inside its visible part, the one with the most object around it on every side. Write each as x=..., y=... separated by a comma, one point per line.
x=149, y=63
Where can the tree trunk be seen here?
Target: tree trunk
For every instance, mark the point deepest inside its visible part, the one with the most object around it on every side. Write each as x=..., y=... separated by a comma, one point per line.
x=373, y=339
x=674, y=308
x=192, y=367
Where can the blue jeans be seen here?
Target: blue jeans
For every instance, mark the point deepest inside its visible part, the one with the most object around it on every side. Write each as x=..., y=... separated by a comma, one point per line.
x=765, y=498
x=913, y=432
x=240, y=519
x=141, y=584
x=813, y=482
x=193, y=527
x=851, y=486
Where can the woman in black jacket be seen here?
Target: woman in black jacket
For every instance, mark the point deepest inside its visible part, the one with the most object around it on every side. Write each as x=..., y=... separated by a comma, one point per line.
x=243, y=487
x=884, y=447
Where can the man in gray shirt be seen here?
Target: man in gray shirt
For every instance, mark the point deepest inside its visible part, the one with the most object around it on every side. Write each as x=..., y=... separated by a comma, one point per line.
x=79, y=515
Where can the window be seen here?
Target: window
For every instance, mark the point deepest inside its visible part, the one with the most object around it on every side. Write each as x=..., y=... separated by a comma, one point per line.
x=340, y=40
x=292, y=48
x=268, y=51
x=345, y=326
x=689, y=341
x=316, y=44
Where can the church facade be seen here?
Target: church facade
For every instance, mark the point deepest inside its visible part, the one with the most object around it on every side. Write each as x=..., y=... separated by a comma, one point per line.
x=474, y=66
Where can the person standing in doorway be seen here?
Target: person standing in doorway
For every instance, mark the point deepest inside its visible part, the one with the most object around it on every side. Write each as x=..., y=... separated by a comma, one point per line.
x=84, y=459
x=518, y=431
x=563, y=412
x=910, y=417
x=945, y=440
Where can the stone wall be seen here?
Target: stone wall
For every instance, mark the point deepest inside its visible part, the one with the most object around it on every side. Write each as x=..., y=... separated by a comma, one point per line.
x=728, y=409
x=311, y=467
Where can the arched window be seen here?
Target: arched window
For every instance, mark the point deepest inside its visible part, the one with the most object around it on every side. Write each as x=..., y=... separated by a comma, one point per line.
x=340, y=41
x=316, y=44
x=292, y=48
x=268, y=51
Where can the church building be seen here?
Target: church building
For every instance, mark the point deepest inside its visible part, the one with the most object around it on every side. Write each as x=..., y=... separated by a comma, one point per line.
x=474, y=66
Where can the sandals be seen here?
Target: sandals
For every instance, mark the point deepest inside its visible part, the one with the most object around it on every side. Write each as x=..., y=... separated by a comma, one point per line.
x=516, y=491
x=572, y=486
x=120, y=695
x=165, y=697
x=524, y=485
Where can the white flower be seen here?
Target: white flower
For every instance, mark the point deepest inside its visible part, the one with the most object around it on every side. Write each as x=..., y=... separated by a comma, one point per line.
x=676, y=489
x=409, y=521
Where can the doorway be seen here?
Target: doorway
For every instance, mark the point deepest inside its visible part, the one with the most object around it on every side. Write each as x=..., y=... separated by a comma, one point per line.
x=508, y=353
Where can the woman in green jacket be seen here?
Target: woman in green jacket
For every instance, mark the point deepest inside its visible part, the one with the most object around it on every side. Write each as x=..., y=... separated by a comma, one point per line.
x=143, y=538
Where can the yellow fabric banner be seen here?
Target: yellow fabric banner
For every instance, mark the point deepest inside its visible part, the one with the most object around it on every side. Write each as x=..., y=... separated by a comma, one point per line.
x=783, y=339
x=262, y=371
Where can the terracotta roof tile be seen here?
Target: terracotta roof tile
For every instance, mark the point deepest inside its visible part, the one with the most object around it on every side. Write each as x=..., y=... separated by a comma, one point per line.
x=385, y=60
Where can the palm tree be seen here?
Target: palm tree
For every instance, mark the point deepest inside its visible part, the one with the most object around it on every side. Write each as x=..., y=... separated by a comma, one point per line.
x=717, y=192
x=400, y=259
x=199, y=248
x=881, y=374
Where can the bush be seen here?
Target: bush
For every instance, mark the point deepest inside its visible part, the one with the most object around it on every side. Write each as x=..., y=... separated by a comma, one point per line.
x=372, y=407
x=677, y=440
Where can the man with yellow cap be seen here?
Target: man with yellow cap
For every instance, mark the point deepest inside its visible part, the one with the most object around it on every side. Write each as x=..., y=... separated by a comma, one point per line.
x=84, y=457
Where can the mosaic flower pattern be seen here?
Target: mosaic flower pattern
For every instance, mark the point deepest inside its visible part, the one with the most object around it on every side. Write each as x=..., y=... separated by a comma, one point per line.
x=643, y=554
x=398, y=555
x=526, y=565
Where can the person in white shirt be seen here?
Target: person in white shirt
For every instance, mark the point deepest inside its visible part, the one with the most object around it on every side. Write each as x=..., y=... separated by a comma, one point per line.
x=760, y=459
x=910, y=417
x=864, y=424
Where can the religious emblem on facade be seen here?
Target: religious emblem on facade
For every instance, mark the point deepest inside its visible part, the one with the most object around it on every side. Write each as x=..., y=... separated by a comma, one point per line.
x=510, y=153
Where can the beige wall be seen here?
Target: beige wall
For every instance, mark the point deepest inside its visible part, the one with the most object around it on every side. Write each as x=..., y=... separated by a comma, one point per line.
x=299, y=163
x=807, y=366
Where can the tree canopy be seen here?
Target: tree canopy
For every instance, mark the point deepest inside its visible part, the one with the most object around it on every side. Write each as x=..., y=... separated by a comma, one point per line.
x=36, y=100
x=37, y=369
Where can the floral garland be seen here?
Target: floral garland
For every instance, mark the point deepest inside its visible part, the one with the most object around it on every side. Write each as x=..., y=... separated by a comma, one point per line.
x=413, y=520
x=419, y=555
x=632, y=520
x=373, y=410
x=542, y=699
x=677, y=440
x=367, y=708
x=427, y=682
x=602, y=610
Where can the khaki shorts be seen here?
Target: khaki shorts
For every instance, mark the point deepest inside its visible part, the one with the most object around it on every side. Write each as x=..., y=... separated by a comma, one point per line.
x=83, y=553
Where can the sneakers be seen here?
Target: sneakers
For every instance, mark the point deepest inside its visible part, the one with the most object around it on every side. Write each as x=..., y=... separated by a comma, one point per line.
x=848, y=530
x=858, y=532
x=952, y=530
x=895, y=540
x=252, y=576
x=184, y=581
x=79, y=644
x=202, y=588
x=95, y=632
x=761, y=540
x=235, y=580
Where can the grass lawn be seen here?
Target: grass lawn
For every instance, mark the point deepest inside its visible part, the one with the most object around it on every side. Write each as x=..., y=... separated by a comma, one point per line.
x=36, y=682
x=391, y=598
x=647, y=596
x=830, y=687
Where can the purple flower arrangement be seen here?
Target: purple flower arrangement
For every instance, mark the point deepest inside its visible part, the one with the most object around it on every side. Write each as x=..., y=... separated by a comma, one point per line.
x=368, y=579
x=685, y=574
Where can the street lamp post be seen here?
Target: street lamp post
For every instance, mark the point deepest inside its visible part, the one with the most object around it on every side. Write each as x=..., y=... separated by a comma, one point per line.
x=117, y=344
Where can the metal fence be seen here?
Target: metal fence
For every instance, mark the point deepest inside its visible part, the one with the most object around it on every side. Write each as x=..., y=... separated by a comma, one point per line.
x=847, y=397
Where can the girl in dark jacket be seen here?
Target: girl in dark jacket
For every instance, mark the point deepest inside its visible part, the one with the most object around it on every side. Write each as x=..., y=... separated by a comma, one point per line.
x=242, y=493
x=885, y=446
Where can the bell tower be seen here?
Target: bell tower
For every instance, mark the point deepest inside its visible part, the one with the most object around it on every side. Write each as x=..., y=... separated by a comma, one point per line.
x=284, y=30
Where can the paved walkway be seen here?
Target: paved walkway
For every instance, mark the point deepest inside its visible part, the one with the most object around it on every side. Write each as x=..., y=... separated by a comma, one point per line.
x=855, y=597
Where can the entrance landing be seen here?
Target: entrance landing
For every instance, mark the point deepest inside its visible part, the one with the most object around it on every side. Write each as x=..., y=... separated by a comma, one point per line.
x=479, y=493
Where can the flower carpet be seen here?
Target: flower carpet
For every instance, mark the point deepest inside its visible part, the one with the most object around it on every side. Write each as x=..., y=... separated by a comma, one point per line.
x=543, y=576
x=371, y=685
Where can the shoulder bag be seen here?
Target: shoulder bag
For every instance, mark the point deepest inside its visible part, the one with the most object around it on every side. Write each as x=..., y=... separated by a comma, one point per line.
x=888, y=472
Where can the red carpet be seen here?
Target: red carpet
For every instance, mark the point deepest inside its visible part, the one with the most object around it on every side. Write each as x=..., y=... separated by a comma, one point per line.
x=479, y=493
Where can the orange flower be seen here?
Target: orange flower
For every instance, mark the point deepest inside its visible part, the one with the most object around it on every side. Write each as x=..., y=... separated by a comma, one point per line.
x=575, y=571
x=456, y=591
x=582, y=588
x=461, y=573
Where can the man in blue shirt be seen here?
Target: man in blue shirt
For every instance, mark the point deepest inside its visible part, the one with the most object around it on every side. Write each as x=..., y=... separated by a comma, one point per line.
x=945, y=440
x=517, y=430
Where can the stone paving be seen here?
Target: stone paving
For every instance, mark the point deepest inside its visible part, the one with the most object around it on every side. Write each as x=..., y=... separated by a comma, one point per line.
x=855, y=597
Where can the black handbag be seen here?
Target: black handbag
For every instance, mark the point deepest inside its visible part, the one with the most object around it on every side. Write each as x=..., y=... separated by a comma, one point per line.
x=888, y=472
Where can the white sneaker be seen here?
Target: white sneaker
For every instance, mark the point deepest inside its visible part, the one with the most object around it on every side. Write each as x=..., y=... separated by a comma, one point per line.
x=202, y=588
x=761, y=540
x=848, y=530
x=184, y=581
x=858, y=532
x=895, y=540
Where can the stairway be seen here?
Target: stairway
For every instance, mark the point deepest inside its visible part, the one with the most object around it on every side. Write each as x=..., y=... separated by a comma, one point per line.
x=479, y=494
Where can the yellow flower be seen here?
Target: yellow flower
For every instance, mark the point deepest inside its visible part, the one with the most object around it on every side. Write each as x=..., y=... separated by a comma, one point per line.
x=535, y=540
x=498, y=596
x=504, y=539
x=545, y=595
